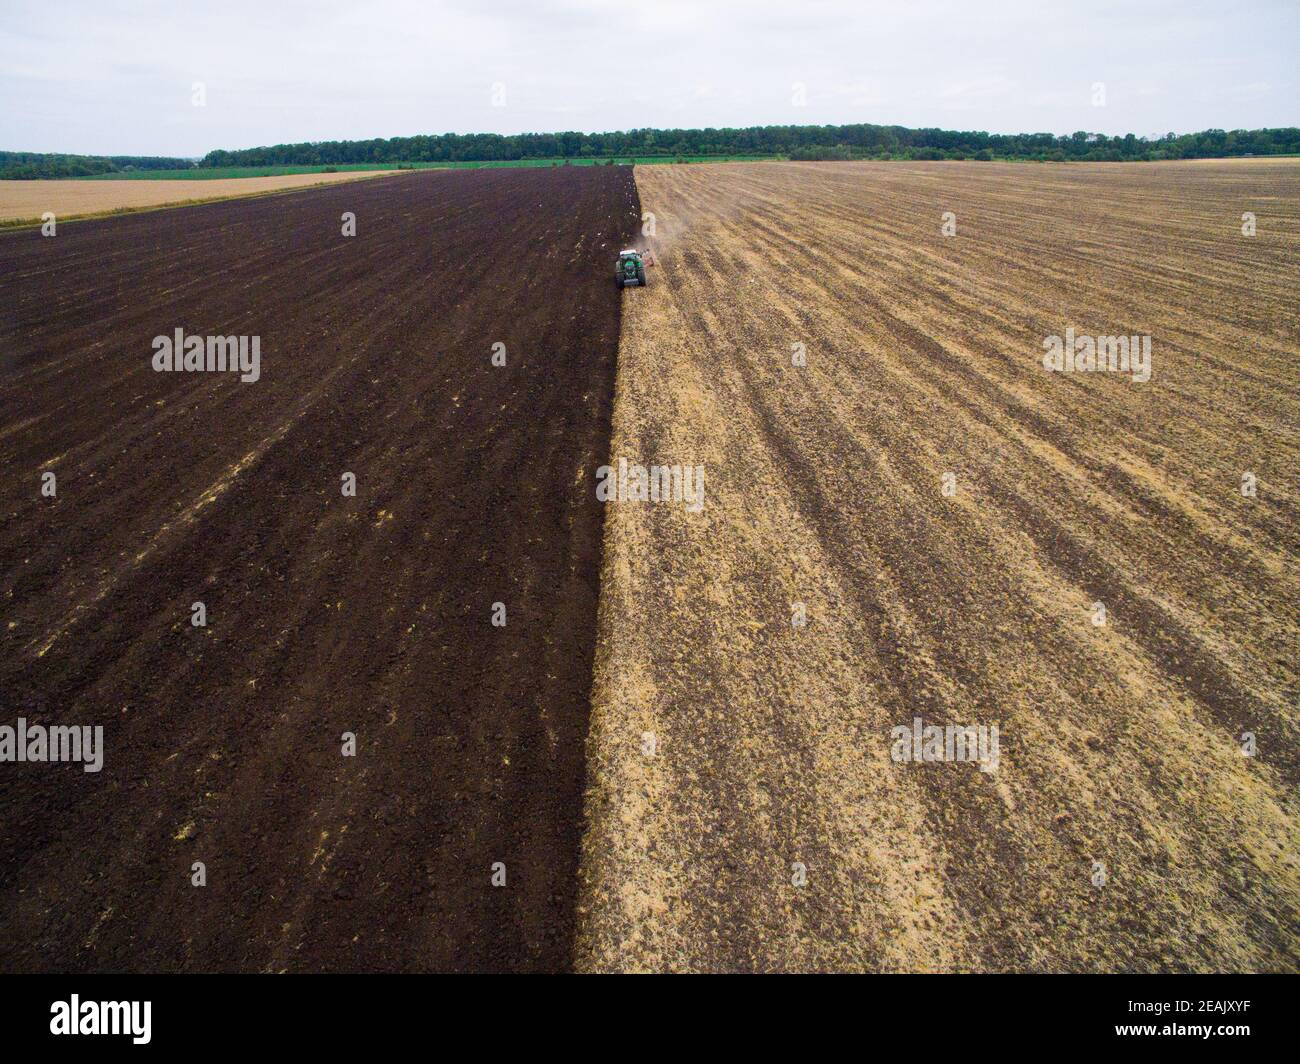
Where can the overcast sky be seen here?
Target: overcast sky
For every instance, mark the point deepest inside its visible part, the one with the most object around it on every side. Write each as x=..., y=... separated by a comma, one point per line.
x=100, y=77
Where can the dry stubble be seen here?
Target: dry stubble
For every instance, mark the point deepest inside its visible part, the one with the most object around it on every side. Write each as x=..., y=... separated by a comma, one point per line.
x=1120, y=744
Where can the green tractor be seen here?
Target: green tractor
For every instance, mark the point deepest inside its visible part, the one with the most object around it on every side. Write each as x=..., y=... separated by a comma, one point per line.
x=630, y=270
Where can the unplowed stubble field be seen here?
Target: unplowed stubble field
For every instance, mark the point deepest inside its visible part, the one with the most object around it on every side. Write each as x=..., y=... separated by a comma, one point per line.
x=1121, y=743
x=66, y=199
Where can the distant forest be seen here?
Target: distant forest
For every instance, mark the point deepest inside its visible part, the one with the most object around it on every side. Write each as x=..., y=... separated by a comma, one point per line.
x=790, y=142
x=793, y=142
x=24, y=165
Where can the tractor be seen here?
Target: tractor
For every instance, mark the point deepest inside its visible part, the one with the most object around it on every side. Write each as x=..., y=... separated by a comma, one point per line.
x=630, y=270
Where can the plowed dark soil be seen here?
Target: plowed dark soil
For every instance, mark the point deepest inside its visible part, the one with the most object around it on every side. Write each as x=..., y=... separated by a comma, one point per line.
x=325, y=614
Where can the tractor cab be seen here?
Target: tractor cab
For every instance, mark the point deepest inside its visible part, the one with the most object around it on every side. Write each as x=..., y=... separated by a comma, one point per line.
x=630, y=271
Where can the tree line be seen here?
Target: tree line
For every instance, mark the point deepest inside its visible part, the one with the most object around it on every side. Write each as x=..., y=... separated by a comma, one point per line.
x=792, y=142
x=27, y=165
x=795, y=142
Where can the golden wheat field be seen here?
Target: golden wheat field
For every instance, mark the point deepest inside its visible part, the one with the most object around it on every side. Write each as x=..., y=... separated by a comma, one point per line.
x=71, y=198
x=1102, y=567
